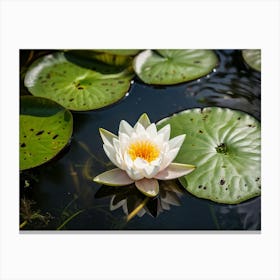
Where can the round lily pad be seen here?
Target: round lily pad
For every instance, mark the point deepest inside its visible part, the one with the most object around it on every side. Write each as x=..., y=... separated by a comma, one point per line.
x=167, y=67
x=225, y=147
x=74, y=87
x=253, y=58
x=45, y=129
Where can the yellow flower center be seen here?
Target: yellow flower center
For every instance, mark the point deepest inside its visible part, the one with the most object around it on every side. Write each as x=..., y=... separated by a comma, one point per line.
x=143, y=149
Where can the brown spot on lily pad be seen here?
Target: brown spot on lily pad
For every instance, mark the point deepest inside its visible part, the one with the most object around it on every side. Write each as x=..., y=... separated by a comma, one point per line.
x=222, y=182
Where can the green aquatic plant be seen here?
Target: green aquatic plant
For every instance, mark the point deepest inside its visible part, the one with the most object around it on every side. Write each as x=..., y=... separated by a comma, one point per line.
x=225, y=146
x=168, y=67
x=29, y=215
x=102, y=62
x=45, y=129
x=69, y=218
x=123, y=52
x=253, y=58
x=74, y=87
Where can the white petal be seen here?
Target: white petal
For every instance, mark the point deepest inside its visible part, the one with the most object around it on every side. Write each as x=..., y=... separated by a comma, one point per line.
x=174, y=147
x=130, y=169
x=165, y=131
x=164, y=148
x=175, y=170
x=146, y=169
x=148, y=187
x=120, y=162
x=114, y=177
x=139, y=129
x=125, y=127
x=134, y=174
x=159, y=139
x=128, y=161
x=135, y=136
x=176, y=142
x=124, y=140
x=150, y=171
x=107, y=136
x=156, y=162
x=139, y=163
x=169, y=157
x=111, y=154
x=144, y=120
x=116, y=144
x=152, y=131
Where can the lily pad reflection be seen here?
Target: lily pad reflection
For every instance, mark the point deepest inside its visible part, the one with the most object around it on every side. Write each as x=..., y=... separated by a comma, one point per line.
x=135, y=203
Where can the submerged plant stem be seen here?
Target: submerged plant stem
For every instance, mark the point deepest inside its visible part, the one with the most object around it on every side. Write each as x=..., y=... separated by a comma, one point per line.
x=86, y=148
x=23, y=224
x=86, y=170
x=75, y=177
x=137, y=209
x=69, y=204
x=69, y=219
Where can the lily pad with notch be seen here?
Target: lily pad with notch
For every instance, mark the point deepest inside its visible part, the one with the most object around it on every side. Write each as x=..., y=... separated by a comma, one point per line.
x=74, y=87
x=167, y=67
x=225, y=146
x=45, y=129
x=253, y=58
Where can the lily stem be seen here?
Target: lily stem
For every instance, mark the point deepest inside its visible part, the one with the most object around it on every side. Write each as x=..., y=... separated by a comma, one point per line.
x=137, y=209
x=69, y=219
x=23, y=224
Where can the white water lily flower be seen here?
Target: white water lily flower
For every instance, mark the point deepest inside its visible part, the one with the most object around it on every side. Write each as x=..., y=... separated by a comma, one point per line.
x=143, y=155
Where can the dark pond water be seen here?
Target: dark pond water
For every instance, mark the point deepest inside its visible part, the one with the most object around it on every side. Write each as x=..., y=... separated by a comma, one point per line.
x=62, y=195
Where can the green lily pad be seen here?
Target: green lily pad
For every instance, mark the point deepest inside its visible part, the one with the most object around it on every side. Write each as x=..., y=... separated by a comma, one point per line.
x=45, y=129
x=224, y=145
x=253, y=58
x=105, y=63
x=74, y=87
x=167, y=67
x=125, y=52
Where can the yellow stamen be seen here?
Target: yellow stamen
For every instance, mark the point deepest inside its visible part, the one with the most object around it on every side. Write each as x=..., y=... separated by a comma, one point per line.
x=143, y=149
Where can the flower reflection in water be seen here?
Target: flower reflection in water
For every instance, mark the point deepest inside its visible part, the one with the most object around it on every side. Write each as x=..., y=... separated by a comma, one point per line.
x=133, y=202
